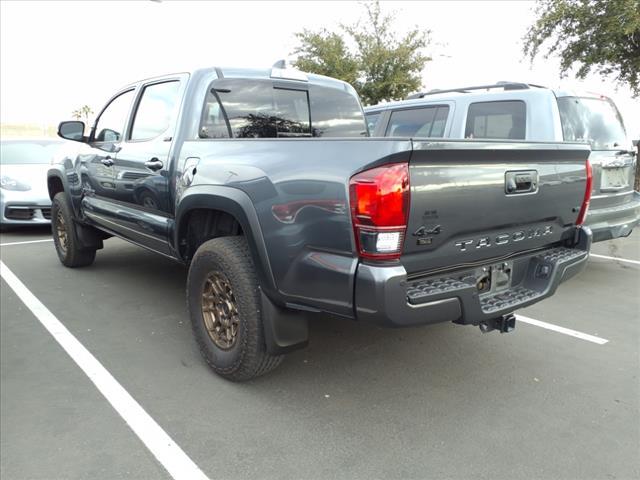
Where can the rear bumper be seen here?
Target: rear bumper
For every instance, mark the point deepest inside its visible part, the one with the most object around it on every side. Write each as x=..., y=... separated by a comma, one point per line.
x=386, y=297
x=613, y=222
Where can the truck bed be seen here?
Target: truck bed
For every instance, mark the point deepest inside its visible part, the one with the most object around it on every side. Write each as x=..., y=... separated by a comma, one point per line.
x=300, y=191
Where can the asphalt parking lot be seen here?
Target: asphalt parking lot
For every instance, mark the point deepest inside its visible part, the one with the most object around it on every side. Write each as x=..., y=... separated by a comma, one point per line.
x=360, y=403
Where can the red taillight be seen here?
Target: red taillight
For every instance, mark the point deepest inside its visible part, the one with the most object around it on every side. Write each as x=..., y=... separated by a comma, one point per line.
x=379, y=210
x=587, y=196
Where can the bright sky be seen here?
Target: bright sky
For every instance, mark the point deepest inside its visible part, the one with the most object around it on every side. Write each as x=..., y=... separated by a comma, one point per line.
x=58, y=56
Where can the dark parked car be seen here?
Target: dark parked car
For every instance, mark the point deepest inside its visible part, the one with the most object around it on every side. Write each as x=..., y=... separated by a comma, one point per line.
x=263, y=182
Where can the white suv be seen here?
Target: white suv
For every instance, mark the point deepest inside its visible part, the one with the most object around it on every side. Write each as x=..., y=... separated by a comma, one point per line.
x=520, y=111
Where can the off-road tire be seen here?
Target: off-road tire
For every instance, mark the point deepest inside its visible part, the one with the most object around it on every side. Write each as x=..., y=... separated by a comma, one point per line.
x=69, y=251
x=247, y=357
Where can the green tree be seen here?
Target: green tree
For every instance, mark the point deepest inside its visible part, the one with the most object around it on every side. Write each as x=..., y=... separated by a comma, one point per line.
x=380, y=64
x=82, y=113
x=326, y=53
x=598, y=35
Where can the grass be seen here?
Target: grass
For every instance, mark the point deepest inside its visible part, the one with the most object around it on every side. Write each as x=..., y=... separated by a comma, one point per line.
x=12, y=130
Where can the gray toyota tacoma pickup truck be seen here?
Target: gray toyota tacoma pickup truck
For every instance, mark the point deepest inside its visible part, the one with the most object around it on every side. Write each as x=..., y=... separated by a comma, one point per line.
x=265, y=184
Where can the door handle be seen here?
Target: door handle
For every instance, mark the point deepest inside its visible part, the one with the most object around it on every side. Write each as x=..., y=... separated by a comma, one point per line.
x=107, y=161
x=154, y=164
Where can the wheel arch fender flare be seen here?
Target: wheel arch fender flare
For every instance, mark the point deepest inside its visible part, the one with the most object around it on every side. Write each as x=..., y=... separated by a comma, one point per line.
x=55, y=175
x=58, y=175
x=236, y=203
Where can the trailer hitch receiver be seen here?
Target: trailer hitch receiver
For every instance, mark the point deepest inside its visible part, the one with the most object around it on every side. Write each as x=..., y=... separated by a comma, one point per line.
x=504, y=324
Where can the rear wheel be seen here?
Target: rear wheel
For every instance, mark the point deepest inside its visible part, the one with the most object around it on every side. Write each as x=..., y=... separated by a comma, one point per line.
x=65, y=236
x=223, y=299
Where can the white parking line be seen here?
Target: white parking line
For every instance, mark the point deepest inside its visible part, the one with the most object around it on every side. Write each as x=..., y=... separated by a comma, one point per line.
x=559, y=329
x=25, y=242
x=168, y=453
x=625, y=260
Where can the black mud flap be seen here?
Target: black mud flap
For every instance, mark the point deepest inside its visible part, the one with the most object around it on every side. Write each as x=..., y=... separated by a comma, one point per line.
x=285, y=330
x=89, y=238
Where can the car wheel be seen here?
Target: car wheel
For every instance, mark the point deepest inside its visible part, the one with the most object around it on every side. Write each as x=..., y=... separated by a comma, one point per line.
x=148, y=200
x=223, y=298
x=65, y=236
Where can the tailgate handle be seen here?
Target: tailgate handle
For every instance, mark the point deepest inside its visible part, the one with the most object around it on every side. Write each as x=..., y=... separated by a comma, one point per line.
x=521, y=182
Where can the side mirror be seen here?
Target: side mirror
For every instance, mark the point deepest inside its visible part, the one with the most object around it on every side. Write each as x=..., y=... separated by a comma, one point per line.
x=73, y=130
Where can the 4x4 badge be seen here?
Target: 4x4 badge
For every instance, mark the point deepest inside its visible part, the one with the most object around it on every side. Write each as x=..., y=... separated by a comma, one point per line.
x=423, y=231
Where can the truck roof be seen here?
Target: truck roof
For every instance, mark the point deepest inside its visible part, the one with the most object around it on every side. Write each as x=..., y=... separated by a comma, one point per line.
x=276, y=72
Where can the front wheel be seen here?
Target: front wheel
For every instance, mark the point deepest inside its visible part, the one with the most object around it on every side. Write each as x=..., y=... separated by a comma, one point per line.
x=223, y=299
x=65, y=235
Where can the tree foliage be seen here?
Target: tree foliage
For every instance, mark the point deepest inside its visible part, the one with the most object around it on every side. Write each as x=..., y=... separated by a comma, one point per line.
x=598, y=35
x=369, y=55
x=326, y=53
x=82, y=113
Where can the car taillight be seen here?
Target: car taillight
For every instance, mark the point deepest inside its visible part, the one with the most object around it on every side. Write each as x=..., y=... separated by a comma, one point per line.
x=379, y=210
x=587, y=195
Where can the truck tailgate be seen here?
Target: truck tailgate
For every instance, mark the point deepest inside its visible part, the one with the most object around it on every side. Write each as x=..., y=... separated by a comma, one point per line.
x=477, y=201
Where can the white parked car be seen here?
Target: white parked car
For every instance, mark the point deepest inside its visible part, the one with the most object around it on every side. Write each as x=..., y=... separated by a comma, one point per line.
x=24, y=198
x=520, y=111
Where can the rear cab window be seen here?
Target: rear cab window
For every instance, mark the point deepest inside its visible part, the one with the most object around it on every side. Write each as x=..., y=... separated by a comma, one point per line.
x=247, y=108
x=418, y=122
x=593, y=120
x=372, y=121
x=505, y=120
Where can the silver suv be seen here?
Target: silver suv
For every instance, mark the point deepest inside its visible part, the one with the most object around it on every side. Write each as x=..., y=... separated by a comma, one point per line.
x=520, y=111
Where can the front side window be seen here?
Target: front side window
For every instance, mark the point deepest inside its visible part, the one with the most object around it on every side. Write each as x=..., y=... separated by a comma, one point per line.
x=418, y=122
x=113, y=118
x=498, y=120
x=592, y=120
x=156, y=110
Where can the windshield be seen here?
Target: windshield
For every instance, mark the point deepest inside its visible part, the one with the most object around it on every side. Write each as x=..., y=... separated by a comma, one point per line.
x=592, y=120
x=18, y=153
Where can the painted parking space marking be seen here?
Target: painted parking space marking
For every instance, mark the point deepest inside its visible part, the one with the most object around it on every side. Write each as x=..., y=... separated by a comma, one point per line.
x=25, y=242
x=564, y=330
x=625, y=260
x=159, y=443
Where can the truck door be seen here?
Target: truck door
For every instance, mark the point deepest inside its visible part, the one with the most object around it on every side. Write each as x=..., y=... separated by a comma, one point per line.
x=96, y=166
x=144, y=201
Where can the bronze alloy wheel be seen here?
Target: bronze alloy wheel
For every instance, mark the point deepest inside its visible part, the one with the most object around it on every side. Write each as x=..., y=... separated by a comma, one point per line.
x=61, y=232
x=220, y=311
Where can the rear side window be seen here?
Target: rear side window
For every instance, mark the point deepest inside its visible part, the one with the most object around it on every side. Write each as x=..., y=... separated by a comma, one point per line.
x=255, y=109
x=592, y=120
x=500, y=120
x=418, y=122
x=156, y=110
